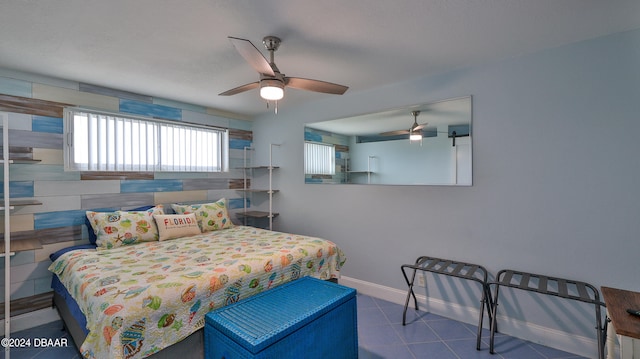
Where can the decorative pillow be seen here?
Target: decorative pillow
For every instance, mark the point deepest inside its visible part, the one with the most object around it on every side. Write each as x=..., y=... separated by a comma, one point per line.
x=119, y=228
x=210, y=216
x=92, y=234
x=173, y=226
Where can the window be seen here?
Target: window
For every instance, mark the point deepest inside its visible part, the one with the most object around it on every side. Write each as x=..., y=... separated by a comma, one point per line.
x=110, y=142
x=319, y=159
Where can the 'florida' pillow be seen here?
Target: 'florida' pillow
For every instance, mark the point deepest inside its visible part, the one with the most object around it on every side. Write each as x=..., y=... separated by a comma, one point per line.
x=210, y=216
x=119, y=228
x=171, y=226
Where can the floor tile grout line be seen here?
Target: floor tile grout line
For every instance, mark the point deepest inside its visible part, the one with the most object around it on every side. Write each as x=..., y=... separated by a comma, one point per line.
x=537, y=351
x=404, y=343
x=451, y=349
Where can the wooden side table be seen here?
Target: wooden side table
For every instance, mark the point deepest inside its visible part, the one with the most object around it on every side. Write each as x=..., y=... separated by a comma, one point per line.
x=627, y=326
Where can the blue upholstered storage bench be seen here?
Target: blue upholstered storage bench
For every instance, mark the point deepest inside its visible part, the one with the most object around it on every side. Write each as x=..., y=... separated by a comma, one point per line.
x=306, y=318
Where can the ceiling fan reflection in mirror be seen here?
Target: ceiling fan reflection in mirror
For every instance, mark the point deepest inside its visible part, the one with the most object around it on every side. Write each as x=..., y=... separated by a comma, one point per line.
x=419, y=131
x=272, y=82
x=414, y=132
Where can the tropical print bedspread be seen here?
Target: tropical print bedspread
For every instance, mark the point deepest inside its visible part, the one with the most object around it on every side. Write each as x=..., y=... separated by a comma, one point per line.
x=142, y=298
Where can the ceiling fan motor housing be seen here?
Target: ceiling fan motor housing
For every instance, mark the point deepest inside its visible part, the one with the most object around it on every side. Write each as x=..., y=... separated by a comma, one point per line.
x=271, y=43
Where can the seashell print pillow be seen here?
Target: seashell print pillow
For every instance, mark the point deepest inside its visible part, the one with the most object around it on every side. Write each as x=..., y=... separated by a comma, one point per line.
x=211, y=216
x=120, y=228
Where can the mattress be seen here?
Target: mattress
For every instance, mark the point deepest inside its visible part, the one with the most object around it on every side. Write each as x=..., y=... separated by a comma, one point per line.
x=142, y=298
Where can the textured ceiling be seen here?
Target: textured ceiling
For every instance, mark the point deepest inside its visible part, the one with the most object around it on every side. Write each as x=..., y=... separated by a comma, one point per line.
x=178, y=49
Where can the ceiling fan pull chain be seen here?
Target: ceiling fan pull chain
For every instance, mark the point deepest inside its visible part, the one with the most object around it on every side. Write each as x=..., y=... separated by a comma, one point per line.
x=275, y=108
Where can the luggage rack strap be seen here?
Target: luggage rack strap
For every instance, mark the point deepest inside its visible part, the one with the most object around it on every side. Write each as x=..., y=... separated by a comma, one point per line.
x=449, y=267
x=564, y=288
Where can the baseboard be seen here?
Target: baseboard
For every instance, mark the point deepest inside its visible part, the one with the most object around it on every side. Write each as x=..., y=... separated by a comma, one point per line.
x=32, y=319
x=550, y=337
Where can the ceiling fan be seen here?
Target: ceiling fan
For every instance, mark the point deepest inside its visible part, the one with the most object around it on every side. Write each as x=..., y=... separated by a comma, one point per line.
x=414, y=132
x=418, y=131
x=272, y=82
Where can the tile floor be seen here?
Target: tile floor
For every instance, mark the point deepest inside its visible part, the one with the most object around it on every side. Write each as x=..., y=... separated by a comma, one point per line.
x=380, y=334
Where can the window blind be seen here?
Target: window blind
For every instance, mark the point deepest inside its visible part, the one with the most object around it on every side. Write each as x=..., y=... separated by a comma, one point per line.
x=108, y=142
x=319, y=158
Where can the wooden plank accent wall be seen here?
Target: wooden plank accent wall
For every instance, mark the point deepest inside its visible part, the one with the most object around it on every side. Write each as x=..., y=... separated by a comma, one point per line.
x=97, y=175
x=48, y=235
x=23, y=245
x=31, y=106
x=115, y=201
x=22, y=153
x=53, y=235
x=30, y=304
x=36, y=128
x=42, y=139
x=241, y=134
x=239, y=183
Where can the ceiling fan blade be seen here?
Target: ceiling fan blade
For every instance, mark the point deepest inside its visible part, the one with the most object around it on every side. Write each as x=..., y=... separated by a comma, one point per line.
x=239, y=89
x=252, y=55
x=420, y=126
x=315, y=85
x=395, y=133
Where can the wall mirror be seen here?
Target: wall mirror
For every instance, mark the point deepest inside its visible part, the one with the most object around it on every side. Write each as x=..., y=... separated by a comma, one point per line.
x=426, y=144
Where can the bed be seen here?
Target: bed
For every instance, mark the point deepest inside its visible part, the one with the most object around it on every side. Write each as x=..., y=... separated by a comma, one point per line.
x=149, y=299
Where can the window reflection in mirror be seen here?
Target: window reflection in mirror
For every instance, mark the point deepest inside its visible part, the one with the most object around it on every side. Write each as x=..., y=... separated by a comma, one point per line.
x=376, y=148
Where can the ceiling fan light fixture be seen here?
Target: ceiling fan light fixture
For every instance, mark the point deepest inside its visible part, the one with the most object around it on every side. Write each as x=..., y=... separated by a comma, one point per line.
x=415, y=132
x=415, y=136
x=271, y=89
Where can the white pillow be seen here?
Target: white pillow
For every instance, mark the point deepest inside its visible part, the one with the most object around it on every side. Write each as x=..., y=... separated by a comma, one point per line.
x=171, y=226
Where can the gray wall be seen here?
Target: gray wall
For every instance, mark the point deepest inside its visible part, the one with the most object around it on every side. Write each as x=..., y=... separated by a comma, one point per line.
x=556, y=170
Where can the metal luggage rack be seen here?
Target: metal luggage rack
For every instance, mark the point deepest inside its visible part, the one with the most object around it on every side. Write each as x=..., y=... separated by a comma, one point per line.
x=559, y=287
x=452, y=268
